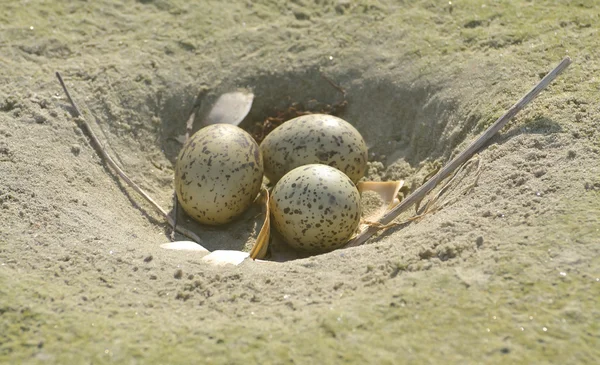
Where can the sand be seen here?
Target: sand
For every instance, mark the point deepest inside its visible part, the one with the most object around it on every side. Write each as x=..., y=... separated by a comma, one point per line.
x=507, y=272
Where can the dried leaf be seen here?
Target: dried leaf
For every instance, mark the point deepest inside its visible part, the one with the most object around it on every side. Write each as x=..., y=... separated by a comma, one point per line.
x=259, y=251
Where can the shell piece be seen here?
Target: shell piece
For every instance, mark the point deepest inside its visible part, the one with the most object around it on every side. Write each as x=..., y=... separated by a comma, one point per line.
x=230, y=108
x=225, y=257
x=387, y=191
x=315, y=208
x=184, y=246
x=314, y=139
x=218, y=174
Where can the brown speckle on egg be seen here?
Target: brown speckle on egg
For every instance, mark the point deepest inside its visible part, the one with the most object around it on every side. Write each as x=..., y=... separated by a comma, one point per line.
x=315, y=208
x=218, y=174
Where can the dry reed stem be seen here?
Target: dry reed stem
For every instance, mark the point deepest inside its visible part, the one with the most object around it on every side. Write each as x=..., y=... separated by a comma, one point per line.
x=463, y=157
x=109, y=161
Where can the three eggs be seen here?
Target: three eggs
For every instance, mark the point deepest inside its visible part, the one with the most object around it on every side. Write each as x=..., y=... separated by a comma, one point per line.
x=313, y=161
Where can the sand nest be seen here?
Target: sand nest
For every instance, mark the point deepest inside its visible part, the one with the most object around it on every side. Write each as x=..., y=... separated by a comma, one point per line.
x=507, y=270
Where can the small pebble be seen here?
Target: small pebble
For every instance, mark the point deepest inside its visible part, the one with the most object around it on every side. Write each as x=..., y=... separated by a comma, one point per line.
x=75, y=149
x=479, y=241
x=40, y=119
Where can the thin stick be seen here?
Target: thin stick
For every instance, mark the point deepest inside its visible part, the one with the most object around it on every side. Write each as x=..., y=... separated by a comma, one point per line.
x=429, y=208
x=418, y=194
x=106, y=157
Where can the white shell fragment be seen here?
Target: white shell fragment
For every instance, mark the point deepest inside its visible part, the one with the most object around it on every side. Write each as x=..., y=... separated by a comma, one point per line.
x=225, y=257
x=218, y=257
x=230, y=108
x=218, y=174
x=184, y=246
x=314, y=139
x=316, y=208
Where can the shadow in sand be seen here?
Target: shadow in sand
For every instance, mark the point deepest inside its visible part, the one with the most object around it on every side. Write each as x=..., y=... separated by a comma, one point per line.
x=418, y=124
x=534, y=126
x=124, y=187
x=538, y=125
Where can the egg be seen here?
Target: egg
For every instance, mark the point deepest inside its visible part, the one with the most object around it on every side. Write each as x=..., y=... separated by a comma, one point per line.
x=315, y=208
x=314, y=139
x=218, y=174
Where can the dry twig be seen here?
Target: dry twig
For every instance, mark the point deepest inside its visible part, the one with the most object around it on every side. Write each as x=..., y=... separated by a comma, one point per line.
x=431, y=207
x=109, y=161
x=464, y=156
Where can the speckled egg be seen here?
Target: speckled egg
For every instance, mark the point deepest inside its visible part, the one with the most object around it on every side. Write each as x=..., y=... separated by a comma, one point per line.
x=218, y=174
x=315, y=208
x=314, y=138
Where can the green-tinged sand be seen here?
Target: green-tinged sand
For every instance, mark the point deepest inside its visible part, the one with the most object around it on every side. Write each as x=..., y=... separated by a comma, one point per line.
x=507, y=273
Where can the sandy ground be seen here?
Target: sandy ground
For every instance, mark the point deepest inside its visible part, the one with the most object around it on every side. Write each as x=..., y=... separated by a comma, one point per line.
x=509, y=272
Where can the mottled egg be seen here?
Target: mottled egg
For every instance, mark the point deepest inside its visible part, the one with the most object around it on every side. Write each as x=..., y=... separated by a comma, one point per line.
x=314, y=138
x=315, y=208
x=218, y=174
